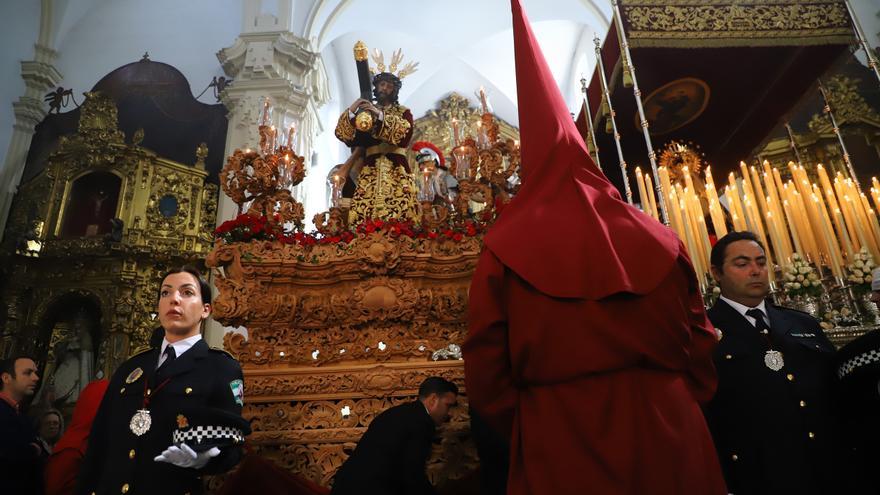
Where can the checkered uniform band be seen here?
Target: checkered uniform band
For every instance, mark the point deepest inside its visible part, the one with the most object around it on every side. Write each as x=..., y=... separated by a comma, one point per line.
x=853, y=364
x=201, y=434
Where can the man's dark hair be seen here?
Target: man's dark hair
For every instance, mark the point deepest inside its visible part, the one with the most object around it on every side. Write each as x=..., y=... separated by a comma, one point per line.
x=719, y=250
x=387, y=76
x=436, y=385
x=204, y=288
x=8, y=365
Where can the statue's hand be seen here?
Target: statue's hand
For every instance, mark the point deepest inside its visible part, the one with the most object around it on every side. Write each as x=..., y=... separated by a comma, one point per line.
x=359, y=103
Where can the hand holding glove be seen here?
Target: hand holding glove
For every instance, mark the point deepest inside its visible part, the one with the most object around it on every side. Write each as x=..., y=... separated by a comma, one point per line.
x=186, y=457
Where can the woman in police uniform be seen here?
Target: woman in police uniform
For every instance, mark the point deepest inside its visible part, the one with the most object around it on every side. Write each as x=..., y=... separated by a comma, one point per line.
x=130, y=446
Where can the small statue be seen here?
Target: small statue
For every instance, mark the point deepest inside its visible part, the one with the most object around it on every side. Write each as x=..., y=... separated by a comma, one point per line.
x=115, y=234
x=58, y=98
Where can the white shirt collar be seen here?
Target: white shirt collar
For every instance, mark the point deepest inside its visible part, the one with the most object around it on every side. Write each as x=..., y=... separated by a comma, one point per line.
x=180, y=346
x=742, y=308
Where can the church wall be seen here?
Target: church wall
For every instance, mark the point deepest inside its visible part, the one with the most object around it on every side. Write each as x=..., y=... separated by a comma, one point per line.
x=867, y=13
x=19, y=25
x=329, y=151
x=186, y=35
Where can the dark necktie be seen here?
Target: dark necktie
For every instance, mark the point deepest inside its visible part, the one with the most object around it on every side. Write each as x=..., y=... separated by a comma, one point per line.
x=170, y=355
x=760, y=323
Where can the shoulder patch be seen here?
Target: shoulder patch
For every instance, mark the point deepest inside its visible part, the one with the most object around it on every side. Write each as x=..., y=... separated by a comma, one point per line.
x=795, y=310
x=140, y=350
x=221, y=350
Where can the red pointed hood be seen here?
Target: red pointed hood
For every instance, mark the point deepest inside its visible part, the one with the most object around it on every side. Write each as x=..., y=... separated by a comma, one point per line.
x=567, y=232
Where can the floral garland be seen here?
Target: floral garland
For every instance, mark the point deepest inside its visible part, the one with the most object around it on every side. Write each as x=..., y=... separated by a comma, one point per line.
x=246, y=228
x=800, y=278
x=858, y=273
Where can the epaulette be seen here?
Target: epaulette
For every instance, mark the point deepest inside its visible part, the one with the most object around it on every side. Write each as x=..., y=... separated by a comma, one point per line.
x=140, y=350
x=795, y=310
x=224, y=351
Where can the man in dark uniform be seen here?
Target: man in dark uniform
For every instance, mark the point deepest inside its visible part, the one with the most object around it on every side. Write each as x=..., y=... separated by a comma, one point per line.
x=130, y=446
x=772, y=418
x=390, y=457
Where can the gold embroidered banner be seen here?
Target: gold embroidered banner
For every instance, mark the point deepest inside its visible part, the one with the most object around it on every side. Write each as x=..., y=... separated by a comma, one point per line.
x=720, y=23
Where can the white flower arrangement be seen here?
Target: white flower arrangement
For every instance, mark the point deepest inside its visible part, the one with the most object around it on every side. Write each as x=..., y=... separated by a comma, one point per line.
x=800, y=278
x=859, y=271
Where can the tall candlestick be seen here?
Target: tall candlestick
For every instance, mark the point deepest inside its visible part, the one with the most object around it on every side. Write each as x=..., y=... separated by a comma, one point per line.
x=290, y=137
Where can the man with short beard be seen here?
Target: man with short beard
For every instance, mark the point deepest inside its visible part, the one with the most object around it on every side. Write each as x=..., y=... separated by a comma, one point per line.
x=385, y=189
x=21, y=458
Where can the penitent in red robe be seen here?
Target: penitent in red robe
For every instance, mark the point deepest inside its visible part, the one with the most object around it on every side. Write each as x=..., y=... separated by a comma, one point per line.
x=588, y=344
x=597, y=397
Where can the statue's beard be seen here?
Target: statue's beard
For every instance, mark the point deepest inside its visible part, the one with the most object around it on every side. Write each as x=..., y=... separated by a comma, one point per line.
x=384, y=99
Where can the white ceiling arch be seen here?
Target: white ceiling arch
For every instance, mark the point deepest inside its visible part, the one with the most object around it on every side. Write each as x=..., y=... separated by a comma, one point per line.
x=460, y=45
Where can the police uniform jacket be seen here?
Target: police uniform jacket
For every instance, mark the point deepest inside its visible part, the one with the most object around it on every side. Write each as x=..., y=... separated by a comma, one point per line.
x=390, y=458
x=775, y=431
x=118, y=461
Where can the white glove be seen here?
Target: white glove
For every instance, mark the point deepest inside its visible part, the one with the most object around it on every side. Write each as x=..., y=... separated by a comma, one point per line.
x=186, y=457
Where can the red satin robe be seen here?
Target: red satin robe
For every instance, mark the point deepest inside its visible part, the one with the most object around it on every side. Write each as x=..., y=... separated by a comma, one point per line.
x=597, y=397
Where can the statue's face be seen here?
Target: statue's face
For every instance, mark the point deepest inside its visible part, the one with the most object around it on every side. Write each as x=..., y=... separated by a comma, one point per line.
x=385, y=92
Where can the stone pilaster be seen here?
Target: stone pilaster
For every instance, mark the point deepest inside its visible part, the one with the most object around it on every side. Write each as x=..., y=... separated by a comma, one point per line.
x=39, y=76
x=267, y=60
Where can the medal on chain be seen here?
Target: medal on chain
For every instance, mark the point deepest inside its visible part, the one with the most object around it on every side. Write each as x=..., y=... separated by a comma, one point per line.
x=773, y=360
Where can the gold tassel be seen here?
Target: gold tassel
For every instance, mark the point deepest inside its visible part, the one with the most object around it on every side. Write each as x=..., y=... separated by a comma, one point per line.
x=609, y=129
x=604, y=111
x=627, y=78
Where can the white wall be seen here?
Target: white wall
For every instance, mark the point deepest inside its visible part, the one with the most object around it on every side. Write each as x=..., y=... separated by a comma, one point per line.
x=867, y=13
x=19, y=27
x=186, y=35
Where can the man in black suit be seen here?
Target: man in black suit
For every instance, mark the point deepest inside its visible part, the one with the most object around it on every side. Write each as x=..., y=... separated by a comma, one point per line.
x=21, y=457
x=390, y=457
x=772, y=418
x=153, y=393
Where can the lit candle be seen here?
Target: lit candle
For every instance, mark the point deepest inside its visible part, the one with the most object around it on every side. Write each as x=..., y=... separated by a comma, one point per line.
x=835, y=260
x=736, y=205
x=847, y=242
x=872, y=235
x=643, y=197
x=265, y=118
x=774, y=230
x=675, y=217
x=759, y=190
x=274, y=134
x=290, y=137
x=794, y=231
x=716, y=212
x=851, y=226
x=649, y=187
x=875, y=226
x=783, y=245
x=483, y=101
